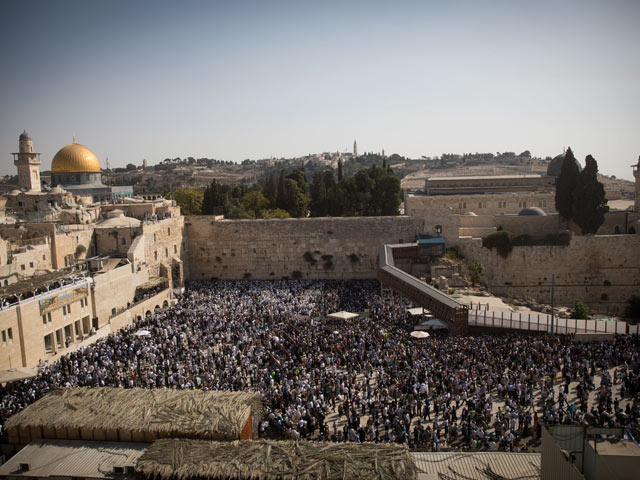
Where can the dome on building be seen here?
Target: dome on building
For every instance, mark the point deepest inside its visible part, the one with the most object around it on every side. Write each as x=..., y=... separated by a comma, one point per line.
x=75, y=158
x=532, y=211
x=555, y=166
x=24, y=136
x=119, y=222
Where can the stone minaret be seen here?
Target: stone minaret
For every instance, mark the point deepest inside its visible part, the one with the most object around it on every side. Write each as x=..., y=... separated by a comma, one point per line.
x=28, y=164
x=636, y=174
x=355, y=149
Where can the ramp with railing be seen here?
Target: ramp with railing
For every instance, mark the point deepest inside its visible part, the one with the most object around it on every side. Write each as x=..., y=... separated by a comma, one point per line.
x=438, y=303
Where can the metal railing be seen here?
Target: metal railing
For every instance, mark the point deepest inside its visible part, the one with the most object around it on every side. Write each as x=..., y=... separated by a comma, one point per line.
x=540, y=322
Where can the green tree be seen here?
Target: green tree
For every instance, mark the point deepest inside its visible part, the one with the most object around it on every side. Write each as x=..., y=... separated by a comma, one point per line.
x=189, y=200
x=589, y=200
x=214, y=197
x=271, y=189
x=280, y=195
x=236, y=212
x=340, y=172
x=296, y=202
x=566, y=184
x=580, y=310
x=319, y=204
x=276, y=213
x=254, y=202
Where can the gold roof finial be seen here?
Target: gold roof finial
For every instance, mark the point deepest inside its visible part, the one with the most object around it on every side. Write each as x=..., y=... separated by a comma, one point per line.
x=74, y=138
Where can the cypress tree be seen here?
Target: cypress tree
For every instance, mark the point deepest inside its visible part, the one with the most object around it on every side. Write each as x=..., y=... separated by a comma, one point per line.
x=566, y=184
x=340, y=175
x=589, y=200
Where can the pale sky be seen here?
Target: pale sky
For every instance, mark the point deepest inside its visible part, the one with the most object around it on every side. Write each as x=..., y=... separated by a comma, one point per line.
x=235, y=80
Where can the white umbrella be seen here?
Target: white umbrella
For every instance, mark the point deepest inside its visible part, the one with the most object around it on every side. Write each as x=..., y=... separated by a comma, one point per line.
x=419, y=334
x=342, y=315
x=143, y=333
x=416, y=311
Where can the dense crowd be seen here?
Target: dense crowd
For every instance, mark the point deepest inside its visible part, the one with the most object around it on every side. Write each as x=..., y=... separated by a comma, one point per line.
x=359, y=380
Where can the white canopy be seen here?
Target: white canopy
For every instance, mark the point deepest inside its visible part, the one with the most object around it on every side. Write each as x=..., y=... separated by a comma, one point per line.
x=433, y=323
x=419, y=334
x=342, y=315
x=415, y=311
x=143, y=333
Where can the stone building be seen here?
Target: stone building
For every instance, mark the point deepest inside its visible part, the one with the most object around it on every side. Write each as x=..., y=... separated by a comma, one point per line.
x=28, y=164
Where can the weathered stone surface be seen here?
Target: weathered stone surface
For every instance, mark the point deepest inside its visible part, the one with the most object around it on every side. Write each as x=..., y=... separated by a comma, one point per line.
x=310, y=248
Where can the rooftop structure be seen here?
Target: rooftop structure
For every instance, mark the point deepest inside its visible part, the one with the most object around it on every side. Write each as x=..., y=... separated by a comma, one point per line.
x=74, y=459
x=136, y=414
x=477, y=465
x=474, y=184
x=169, y=459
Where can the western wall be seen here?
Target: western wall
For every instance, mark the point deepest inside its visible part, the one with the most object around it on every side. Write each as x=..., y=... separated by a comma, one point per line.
x=603, y=271
x=309, y=248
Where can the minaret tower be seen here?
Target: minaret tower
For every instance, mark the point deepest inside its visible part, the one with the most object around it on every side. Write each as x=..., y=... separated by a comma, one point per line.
x=28, y=164
x=636, y=174
x=355, y=149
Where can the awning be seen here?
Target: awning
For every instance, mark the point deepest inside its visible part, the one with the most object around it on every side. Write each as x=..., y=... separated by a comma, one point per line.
x=14, y=374
x=433, y=323
x=343, y=315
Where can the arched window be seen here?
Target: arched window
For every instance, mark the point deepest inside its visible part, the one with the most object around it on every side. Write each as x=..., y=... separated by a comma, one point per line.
x=438, y=229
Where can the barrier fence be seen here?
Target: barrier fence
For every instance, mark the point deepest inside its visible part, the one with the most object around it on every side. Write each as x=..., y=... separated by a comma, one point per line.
x=542, y=323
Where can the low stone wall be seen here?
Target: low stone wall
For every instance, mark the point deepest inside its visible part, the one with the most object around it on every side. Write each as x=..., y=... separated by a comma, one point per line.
x=603, y=271
x=309, y=248
x=127, y=317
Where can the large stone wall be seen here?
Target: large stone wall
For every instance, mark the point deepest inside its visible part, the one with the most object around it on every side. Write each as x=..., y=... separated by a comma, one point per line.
x=603, y=271
x=317, y=248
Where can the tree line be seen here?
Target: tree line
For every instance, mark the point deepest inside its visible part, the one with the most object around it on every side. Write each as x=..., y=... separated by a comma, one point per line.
x=371, y=191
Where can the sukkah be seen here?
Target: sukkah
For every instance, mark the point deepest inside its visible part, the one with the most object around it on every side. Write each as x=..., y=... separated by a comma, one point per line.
x=182, y=459
x=159, y=413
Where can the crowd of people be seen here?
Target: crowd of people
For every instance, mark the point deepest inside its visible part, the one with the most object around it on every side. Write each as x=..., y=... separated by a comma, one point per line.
x=364, y=379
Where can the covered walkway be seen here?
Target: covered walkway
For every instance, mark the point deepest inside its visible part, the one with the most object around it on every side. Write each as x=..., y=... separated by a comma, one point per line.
x=439, y=303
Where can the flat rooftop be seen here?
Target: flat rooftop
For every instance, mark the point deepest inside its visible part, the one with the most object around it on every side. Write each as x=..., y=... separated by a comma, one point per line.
x=622, y=448
x=489, y=177
x=74, y=458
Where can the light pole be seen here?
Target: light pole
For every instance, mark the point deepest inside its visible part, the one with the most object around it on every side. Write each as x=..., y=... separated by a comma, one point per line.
x=553, y=285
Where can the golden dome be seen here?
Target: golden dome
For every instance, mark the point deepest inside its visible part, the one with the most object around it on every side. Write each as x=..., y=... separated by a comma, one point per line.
x=75, y=158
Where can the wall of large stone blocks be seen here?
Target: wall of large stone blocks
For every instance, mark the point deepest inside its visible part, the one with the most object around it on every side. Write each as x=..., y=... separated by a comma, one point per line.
x=10, y=348
x=309, y=248
x=163, y=243
x=603, y=271
x=77, y=241
x=115, y=289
